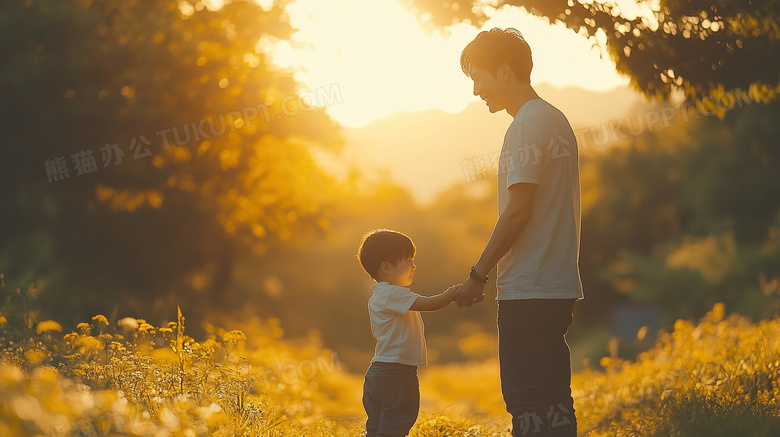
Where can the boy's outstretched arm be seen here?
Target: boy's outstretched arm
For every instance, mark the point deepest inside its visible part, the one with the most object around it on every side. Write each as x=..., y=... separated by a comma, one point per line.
x=439, y=301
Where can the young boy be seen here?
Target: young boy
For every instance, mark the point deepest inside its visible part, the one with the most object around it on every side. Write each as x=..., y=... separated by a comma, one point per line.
x=391, y=390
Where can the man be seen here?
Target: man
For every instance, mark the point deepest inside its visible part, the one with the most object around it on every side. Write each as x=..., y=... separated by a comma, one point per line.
x=535, y=242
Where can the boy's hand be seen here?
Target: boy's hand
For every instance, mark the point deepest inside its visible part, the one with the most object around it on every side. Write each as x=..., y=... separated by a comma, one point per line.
x=452, y=291
x=433, y=303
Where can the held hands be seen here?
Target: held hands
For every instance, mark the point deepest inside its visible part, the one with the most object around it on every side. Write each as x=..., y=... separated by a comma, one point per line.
x=470, y=292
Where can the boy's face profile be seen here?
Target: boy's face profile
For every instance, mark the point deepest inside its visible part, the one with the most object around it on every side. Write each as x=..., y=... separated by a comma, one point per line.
x=387, y=256
x=401, y=273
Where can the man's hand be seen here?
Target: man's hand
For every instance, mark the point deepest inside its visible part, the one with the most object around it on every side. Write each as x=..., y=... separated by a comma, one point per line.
x=470, y=292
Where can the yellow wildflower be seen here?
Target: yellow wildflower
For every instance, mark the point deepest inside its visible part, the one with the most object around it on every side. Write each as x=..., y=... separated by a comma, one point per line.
x=84, y=327
x=145, y=327
x=233, y=337
x=128, y=323
x=46, y=375
x=10, y=375
x=34, y=356
x=100, y=319
x=48, y=325
x=90, y=343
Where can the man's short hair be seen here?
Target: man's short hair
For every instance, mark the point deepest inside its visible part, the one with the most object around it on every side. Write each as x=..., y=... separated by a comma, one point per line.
x=380, y=245
x=493, y=47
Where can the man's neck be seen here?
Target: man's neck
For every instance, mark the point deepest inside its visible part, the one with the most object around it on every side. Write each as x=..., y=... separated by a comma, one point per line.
x=521, y=94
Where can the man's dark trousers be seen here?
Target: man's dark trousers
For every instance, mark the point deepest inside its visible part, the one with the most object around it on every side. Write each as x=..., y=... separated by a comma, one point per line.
x=536, y=366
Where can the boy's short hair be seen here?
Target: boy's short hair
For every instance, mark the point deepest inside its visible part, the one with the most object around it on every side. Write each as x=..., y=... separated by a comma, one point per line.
x=379, y=245
x=493, y=47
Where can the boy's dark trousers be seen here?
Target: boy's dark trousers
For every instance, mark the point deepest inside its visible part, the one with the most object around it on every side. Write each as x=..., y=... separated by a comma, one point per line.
x=391, y=397
x=535, y=366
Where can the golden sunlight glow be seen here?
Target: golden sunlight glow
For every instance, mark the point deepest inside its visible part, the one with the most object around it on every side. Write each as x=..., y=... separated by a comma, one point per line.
x=383, y=61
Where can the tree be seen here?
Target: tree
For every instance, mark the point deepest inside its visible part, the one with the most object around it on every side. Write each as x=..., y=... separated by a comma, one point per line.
x=688, y=217
x=705, y=49
x=147, y=145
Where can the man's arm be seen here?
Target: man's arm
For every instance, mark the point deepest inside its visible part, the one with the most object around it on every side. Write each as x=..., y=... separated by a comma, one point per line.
x=508, y=228
x=433, y=303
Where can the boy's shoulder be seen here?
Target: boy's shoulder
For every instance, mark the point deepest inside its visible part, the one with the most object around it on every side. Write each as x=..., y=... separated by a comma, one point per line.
x=388, y=296
x=382, y=291
x=386, y=286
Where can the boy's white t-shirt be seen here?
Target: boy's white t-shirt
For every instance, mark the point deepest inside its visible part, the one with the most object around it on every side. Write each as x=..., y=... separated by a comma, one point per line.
x=541, y=148
x=397, y=329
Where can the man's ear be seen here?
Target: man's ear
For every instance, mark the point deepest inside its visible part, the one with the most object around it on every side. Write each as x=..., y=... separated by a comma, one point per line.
x=385, y=267
x=504, y=72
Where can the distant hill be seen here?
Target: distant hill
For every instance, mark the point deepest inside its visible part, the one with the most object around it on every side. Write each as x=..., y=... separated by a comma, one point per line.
x=425, y=150
x=586, y=108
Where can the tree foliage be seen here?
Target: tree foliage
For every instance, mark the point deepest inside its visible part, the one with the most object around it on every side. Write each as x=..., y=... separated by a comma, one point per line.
x=702, y=48
x=210, y=154
x=689, y=216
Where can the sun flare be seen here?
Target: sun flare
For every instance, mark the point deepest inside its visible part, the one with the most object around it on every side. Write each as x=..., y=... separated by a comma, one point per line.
x=384, y=61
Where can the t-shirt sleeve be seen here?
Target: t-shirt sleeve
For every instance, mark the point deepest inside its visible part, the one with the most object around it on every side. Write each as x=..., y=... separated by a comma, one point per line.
x=400, y=299
x=526, y=158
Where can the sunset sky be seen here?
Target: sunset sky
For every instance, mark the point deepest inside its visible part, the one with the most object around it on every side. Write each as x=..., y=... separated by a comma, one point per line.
x=384, y=61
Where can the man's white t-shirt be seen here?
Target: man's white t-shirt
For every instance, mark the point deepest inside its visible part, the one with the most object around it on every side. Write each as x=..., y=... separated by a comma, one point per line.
x=397, y=329
x=541, y=148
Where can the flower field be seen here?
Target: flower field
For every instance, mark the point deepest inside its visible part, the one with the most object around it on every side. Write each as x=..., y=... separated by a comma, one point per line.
x=716, y=377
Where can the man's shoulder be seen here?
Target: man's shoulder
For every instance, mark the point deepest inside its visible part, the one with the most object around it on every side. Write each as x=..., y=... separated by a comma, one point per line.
x=538, y=109
x=524, y=122
x=539, y=113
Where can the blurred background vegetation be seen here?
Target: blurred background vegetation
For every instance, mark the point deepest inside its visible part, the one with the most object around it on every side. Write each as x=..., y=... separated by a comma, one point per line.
x=249, y=223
